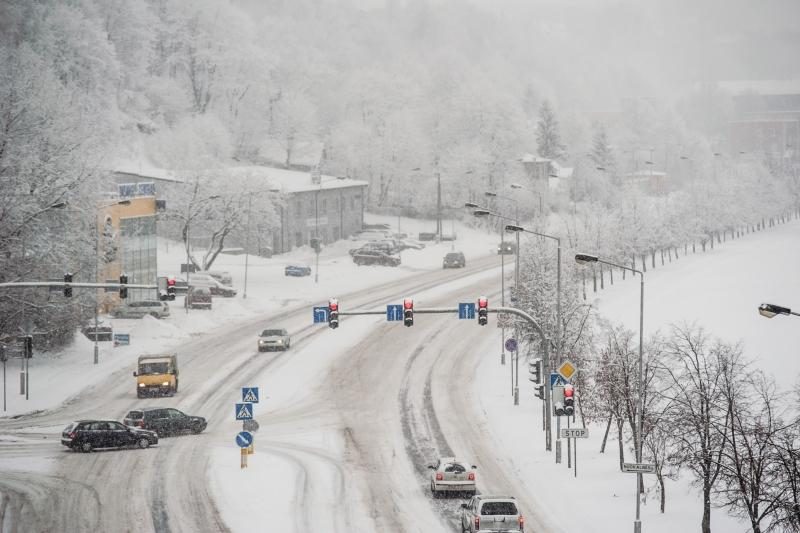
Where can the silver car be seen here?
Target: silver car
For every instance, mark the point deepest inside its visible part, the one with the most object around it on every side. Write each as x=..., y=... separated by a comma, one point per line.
x=274, y=339
x=449, y=475
x=492, y=513
x=154, y=308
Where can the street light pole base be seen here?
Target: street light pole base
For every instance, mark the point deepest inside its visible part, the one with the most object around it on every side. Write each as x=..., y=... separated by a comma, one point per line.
x=516, y=395
x=96, y=352
x=637, y=526
x=502, y=358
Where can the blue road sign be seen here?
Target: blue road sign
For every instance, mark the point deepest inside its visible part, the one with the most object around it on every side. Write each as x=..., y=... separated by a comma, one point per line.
x=244, y=439
x=466, y=311
x=250, y=394
x=394, y=312
x=511, y=345
x=320, y=315
x=244, y=411
x=556, y=379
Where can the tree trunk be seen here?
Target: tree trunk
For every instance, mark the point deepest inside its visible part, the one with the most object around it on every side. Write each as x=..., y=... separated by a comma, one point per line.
x=611, y=275
x=669, y=254
x=605, y=435
x=663, y=496
x=621, y=444
x=602, y=278
x=594, y=280
x=662, y=257
x=644, y=263
x=705, y=526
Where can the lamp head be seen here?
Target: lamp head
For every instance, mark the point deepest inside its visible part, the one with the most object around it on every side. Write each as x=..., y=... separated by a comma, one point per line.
x=471, y=205
x=490, y=194
x=516, y=186
x=481, y=212
x=770, y=310
x=511, y=228
x=585, y=259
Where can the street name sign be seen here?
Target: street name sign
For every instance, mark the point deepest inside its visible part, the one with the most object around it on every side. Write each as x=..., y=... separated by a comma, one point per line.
x=320, y=315
x=574, y=433
x=250, y=394
x=466, y=311
x=244, y=439
x=638, y=468
x=394, y=312
x=244, y=411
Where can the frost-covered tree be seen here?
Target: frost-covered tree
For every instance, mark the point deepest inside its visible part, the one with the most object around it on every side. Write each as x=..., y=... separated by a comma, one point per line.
x=548, y=137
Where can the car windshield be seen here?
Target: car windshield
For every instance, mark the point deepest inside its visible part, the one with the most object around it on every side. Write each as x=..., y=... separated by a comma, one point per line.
x=498, y=508
x=272, y=333
x=453, y=256
x=135, y=415
x=455, y=468
x=153, y=368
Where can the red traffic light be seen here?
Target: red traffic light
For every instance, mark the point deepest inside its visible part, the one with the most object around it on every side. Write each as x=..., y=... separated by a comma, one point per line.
x=569, y=391
x=483, y=302
x=333, y=304
x=408, y=303
x=170, y=282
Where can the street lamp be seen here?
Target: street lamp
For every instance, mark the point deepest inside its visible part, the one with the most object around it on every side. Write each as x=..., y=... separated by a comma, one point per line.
x=537, y=193
x=585, y=259
x=771, y=310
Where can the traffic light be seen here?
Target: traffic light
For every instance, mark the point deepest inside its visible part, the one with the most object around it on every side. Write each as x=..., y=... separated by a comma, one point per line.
x=483, y=310
x=569, y=400
x=67, y=288
x=123, y=290
x=535, y=370
x=170, y=288
x=538, y=391
x=314, y=242
x=558, y=401
x=408, y=312
x=333, y=313
x=28, y=346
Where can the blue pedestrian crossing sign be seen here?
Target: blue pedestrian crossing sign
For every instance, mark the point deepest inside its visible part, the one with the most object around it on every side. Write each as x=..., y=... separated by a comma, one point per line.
x=320, y=315
x=244, y=411
x=556, y=379
x=466, y=311
x=250, y=394
x=244, y=439
x=394, y=312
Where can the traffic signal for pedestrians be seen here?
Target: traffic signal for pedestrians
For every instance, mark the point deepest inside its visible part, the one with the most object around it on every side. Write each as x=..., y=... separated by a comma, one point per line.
x=67, y=288
x=483, y=310
x=170, y=288
x=558, y=401
x=333, y=313
x=123, y=290
x=28, y=346
x=408, y=312
x=569, y=400
x=535, y=370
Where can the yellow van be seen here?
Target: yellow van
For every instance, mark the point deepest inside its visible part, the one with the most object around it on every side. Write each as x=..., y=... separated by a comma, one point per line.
x=157, y=375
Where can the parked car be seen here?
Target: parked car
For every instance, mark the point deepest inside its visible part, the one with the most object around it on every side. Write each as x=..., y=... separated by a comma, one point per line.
x=103, y=333
x=216, y=288
x=454, y=260
x=412, y=243
x=492, y=513
x=375, y=257
x=87, y=435
x=297, y=270
x=506, y=248
x=138, y=309
x=274, y=339
x=223, y=277
x=451, y=476
x=164, y=420
x=198, y=297
x=380, y=246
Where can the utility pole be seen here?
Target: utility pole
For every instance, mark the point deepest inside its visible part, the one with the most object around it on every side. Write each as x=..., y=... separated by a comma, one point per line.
x=439, y=204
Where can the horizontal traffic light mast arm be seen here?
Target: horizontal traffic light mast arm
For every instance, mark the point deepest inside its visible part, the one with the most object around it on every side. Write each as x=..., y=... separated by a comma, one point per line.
x=62, y=285
x=440, y=310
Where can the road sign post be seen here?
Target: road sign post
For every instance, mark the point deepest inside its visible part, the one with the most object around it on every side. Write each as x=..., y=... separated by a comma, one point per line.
x=466, y=311
x=567, y=370
x=638, y=468
x=250, y=394
x=320, y=315
x=244, y=411
x=574, y=433
x=394, y=312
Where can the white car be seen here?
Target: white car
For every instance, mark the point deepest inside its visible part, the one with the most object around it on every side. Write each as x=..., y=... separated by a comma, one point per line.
x=449, y=475
x=274, y=339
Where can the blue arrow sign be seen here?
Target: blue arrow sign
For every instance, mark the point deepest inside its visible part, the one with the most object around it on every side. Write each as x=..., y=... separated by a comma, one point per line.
x=250, y=394
x=244, y=411
x=466, y=311
x=244, y=439
x=320, y=315
x=556, y=379
x=394, y=312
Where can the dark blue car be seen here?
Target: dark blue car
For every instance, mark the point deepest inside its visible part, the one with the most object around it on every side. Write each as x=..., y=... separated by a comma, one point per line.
x=297, y=270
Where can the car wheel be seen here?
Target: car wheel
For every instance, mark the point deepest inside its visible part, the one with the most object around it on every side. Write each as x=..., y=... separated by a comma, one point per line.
x=139, y=395
x=154, y=315
x=198, y=428
x=86, y=447
x=143, y=443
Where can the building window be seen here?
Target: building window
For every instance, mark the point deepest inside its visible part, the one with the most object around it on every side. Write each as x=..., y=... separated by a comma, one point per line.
x=139, y=247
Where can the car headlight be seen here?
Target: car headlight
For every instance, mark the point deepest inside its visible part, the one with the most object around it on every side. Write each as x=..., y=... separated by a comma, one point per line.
x=279, y=341
x=165, y=384
x=141, y=384
x=262, y=342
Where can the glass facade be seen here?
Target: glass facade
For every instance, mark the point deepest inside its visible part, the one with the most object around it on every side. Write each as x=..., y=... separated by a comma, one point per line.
x=139, y=249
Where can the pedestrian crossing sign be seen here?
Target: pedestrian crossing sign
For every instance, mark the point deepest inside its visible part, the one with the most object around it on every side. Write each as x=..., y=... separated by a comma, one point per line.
x=250, y=394
x=244, y=411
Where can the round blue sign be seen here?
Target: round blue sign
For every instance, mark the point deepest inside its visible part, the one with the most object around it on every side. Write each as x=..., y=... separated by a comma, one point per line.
x=244, y=439
x=511, y=345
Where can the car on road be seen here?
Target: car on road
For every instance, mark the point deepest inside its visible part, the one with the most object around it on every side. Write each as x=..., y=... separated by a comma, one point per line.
x=164, y=420
x=297, y=270
x=506, y=248
x=138, y=309
x=451, y=476
x=491, y=513
x=274, y=339
x=88, y=435
x=375, y=257
x=454, y=260
x=198, y=297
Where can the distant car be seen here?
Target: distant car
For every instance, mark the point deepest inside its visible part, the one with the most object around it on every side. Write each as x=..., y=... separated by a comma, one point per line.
x=138, y=309
x=198, y=297
x=164, y=420
x=213, y=285
x=223, y=277
x=454, y=260
x=375, y=257
x=103, y=333
x=387, y=247
x=412, y=243
x=451, y=476
x=492, y=513
x=506, y=248
x=274, y=339
x=87, y=435
x=297, y=270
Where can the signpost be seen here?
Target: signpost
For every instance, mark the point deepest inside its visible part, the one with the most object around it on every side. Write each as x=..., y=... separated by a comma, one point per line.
x=556, y=380
x=244, y=439
x=320, y=315
x=567, y=370
x=639, y=468
x=394, y=312
x=504, y=320
x=122, y=339
x=244, y=411
x=466, y=311
x=574, y=433
x=511, y=345
x=250, y=394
